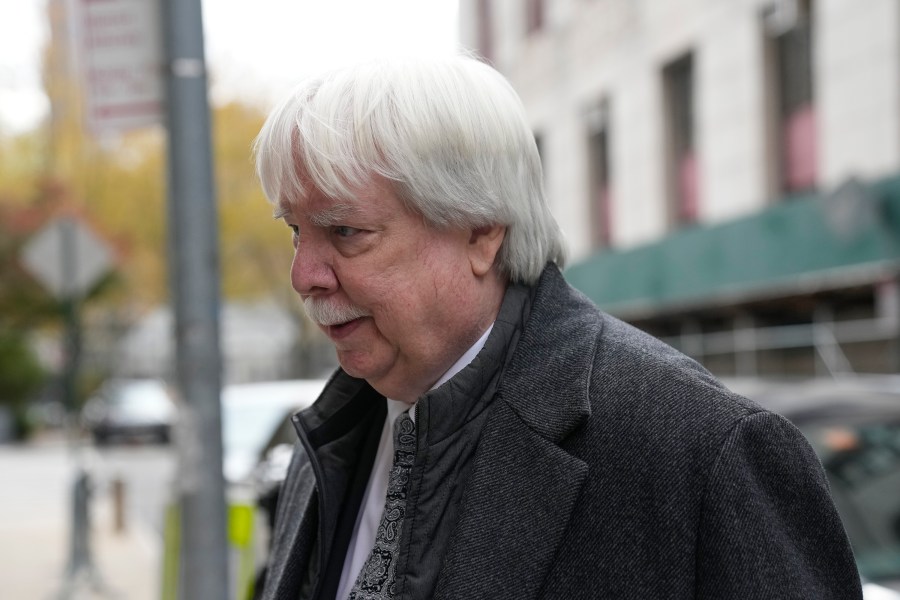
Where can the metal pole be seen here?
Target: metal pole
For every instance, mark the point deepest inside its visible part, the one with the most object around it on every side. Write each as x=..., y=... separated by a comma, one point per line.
x=81, y=558
x=194, y=282
x=118, y=498
x=81, y=571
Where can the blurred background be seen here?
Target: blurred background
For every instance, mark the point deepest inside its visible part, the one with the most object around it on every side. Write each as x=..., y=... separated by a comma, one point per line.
x=727, y=175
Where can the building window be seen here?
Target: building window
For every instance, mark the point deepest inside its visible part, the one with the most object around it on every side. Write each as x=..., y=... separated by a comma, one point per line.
x=788, y=27
x=683, y=168
x=485, y=30
x=534, y=17
x=599, y=169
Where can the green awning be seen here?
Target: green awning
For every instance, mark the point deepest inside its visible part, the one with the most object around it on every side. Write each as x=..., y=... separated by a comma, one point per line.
x=853, y=228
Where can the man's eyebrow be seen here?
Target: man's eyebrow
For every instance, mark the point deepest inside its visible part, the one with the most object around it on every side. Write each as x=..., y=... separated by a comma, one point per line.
x=333, y=215
x=281, y=211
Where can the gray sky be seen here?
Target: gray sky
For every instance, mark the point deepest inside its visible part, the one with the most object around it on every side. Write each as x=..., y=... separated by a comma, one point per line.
x=255, y=50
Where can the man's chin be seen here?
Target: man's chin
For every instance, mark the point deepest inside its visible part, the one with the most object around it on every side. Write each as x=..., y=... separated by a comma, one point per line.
x=384, y=382
x=353, y=366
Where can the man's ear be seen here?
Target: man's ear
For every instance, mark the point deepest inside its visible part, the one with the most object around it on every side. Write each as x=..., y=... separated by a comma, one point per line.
x=484, y=243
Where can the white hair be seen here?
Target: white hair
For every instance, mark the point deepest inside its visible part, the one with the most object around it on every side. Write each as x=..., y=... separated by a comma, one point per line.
x=448, y=133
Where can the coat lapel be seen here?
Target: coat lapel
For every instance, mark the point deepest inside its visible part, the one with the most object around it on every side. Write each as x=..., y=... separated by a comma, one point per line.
x=525, y=485
x=516, y=509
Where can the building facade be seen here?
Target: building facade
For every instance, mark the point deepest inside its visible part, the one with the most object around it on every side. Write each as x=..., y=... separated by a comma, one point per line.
x=727, y=173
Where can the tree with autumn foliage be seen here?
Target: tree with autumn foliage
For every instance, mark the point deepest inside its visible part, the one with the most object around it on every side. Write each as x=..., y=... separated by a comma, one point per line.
x=117, y=184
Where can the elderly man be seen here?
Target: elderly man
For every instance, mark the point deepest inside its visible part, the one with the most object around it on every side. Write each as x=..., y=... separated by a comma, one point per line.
x=490, y=433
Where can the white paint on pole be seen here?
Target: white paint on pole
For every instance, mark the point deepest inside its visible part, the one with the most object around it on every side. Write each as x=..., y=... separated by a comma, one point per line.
x=66, y=257
x=122, y=63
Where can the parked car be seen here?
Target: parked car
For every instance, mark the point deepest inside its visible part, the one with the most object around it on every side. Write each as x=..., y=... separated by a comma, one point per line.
x=853, y=424
x=130, y=410
x=251, y=412
x=272, y=468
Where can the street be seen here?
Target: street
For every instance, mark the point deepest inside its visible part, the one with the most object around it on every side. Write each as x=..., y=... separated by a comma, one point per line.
x=36, y=509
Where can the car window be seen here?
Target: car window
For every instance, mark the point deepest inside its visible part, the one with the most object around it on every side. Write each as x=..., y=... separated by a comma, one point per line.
x=862, y=461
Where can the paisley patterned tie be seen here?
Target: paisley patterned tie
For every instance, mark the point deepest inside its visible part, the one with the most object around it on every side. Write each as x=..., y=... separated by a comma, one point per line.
x=376, y=579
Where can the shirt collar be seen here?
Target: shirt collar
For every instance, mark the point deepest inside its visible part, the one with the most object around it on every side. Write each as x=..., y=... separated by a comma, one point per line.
x=395, y=407
x=464, y=360
x=468, y=387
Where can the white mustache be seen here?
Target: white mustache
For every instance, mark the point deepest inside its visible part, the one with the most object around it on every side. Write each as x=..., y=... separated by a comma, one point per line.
x=326, y=313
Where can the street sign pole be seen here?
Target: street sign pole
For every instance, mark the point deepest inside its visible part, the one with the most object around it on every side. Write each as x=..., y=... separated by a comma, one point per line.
x=68, y=259
x=80, y=571
x=70, y=301
x=194, y=281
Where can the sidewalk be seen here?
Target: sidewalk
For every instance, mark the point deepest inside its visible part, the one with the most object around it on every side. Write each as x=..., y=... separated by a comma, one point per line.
x=126, y=564
x=35, y=529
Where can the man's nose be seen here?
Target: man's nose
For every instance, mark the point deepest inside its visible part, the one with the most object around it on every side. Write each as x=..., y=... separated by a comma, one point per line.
x=311, y=270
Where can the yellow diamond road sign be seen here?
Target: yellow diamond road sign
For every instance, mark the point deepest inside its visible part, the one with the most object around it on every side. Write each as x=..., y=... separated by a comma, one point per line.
x=66, y=257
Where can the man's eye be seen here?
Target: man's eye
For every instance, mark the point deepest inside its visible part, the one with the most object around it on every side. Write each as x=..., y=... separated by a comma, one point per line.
x=294, y=229
x=345, y=231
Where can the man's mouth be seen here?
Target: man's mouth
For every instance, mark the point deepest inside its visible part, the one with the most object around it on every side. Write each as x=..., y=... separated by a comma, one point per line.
x=341, y=330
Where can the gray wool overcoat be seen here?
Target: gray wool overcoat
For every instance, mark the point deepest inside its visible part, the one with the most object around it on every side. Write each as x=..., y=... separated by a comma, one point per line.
x=605, y=465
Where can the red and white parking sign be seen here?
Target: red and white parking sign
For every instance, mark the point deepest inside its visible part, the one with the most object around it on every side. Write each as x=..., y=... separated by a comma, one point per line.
x=122, y=63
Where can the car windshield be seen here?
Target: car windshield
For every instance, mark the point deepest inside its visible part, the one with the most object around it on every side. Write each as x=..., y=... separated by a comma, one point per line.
x=247, y=427
x=251, y=412
x=144, y=398
x=862, y=460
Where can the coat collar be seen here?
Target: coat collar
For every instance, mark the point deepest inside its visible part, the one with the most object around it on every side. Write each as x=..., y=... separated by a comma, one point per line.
x=544, y=340
x=546, y=382
x=524, y=485
x=446, y=409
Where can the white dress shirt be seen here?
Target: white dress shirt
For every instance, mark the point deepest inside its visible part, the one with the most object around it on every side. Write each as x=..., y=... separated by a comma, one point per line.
x=363, y=539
